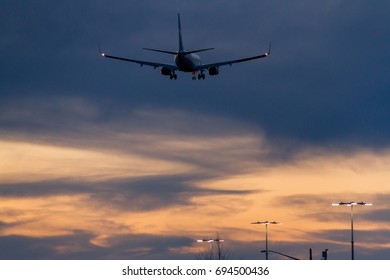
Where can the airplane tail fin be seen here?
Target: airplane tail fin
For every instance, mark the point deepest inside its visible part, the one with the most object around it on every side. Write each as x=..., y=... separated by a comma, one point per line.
x=181, y=47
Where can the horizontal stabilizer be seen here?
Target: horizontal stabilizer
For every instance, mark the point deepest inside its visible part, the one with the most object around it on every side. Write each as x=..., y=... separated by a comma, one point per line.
x=161, y=51
x=182, y=52
x=196, y=51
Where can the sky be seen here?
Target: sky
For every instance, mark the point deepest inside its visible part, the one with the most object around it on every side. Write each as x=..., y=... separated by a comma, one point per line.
x=102, y=159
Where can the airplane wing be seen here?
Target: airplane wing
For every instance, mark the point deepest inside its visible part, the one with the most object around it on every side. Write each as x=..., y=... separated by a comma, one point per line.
x=230, y=62
x=141, y=62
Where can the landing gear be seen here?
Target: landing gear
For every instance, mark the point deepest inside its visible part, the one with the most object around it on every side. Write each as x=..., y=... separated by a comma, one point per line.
x=201, y=76
x=173, y=76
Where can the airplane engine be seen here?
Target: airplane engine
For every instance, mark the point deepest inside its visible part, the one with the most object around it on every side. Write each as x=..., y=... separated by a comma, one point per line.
x=166, y=71
x=213, y=71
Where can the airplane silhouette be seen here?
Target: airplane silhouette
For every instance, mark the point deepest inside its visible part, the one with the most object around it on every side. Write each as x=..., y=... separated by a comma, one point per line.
x=187, y=61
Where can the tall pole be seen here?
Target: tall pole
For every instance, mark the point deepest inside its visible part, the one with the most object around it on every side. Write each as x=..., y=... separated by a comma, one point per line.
x=351, y=204
x=266, y=223
x=266, y=242
x=352, y=241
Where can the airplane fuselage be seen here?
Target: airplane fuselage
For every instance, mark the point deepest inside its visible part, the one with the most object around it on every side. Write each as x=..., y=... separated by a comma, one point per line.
x=187, y=62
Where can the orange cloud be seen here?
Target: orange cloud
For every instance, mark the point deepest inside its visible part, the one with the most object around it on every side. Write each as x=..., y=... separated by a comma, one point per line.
x=227, y=184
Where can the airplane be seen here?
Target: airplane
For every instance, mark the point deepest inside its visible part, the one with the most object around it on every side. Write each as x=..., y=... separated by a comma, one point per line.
x=186, y=61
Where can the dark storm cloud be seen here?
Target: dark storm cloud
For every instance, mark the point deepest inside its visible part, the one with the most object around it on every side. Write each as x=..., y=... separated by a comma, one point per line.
x=153, y=193
x=150, y=247
x=25, y=248
x=141, y=194
x=324, y=84
x=206, y=141
x=147, y=194
x=39, y=189
x=79, y=246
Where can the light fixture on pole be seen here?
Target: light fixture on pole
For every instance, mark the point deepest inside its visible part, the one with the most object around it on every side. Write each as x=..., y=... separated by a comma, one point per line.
x=266, y=223
x=352, y=204
x=210, y=241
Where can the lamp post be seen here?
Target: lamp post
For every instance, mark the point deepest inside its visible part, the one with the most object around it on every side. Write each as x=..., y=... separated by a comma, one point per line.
x=210, y=241
x=266, y=223
x=352, y=204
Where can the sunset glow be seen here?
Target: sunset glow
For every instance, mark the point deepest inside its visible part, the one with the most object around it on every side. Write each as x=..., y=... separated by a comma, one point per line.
x=297, y=192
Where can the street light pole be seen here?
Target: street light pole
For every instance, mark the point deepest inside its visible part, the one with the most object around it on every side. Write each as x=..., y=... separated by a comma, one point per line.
x=352, y=204
x=352, y=239
x=266, y=223
x=210, y=241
